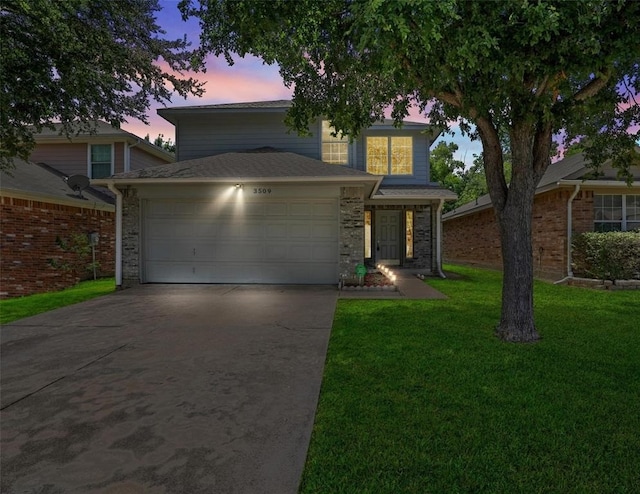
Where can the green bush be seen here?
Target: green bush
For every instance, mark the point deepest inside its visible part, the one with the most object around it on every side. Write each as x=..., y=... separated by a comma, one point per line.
x=607, y=256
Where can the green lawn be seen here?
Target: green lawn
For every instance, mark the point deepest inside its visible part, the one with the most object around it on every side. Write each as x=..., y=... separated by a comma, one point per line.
x=17, y=308
x=421, y=397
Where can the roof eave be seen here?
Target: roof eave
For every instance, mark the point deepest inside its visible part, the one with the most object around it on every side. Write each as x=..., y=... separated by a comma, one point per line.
x=87, y=203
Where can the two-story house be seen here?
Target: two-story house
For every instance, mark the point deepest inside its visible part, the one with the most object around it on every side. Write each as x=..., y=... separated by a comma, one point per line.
x=249, y=201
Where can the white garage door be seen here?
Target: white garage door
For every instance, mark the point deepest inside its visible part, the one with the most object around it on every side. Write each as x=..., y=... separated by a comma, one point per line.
x=267, y=241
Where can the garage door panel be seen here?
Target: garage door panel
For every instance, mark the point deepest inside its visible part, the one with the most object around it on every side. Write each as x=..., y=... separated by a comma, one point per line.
x=275, y=209
x=325, y=210
x=261, y=241
x=324, y=252
x=299, y=230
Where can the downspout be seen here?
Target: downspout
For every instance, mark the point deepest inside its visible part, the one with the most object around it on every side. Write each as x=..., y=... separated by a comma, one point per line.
x=570, y=233
x=439, y=239
x=118, y=194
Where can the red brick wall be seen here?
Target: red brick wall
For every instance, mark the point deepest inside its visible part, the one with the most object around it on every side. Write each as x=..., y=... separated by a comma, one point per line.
x=474, y=239
x=29, y=239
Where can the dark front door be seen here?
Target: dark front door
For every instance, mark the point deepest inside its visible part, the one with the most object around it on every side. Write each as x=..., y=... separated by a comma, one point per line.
x=388, y=226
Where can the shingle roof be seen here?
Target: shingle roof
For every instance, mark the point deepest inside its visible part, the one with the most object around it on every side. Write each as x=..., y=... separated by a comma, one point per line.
x=281, y=104
x=262, y=163
x=42, y=180
x=275, y=104
x=412, y=192
x=573, y=167
x=103, y=130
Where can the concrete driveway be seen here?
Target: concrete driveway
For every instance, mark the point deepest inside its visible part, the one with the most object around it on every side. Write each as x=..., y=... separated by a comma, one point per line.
x=165, y=388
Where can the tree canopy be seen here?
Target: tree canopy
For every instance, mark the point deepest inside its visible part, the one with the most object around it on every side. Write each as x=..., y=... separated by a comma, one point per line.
x=531, y=68
x=79, y=61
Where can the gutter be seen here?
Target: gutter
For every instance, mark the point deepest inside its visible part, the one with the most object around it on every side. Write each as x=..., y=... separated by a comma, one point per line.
x=118, y=194
x=439, y=239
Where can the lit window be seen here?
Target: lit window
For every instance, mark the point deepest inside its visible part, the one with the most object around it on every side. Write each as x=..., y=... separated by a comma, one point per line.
x=335, y=148
x=100, y=166
x=408, y=221
x=367, y=234
x=616, y=212
x=390, y=155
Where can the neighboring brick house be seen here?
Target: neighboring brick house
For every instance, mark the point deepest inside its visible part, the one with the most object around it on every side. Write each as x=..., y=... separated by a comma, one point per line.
x=41, y=215
x=567, y=202
x=40, y=227
x=251, y=202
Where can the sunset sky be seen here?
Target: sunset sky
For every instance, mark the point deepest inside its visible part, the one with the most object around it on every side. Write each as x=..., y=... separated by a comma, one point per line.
x=247, y=80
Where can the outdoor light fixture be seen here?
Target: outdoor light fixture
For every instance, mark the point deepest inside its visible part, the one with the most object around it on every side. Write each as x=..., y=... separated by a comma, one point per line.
x=239, y=186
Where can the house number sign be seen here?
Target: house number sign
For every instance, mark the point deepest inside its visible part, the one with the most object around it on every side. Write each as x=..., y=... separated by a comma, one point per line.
x=262, y=190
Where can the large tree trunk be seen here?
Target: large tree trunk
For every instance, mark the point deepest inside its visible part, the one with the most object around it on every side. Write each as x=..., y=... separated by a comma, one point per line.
x=513, y=205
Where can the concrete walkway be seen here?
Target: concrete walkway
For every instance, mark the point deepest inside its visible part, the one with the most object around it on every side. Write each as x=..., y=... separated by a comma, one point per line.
x=165, y=388
x=410, y=287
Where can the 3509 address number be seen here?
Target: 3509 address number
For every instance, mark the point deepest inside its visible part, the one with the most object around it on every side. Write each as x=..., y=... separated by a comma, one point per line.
x=261, y=190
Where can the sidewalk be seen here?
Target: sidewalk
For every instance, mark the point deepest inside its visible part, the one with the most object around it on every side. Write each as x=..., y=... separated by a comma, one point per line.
x=410, y=287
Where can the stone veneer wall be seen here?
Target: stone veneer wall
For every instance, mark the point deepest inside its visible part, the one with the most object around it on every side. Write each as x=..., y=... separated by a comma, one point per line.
x=351, y=230
x=32, y=257
x=130, y=238
x=474, y=238
x=423, y=239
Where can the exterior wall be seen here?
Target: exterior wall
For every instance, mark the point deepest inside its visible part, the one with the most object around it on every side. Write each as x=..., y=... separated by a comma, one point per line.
x=423, y=235
x=118, y=157
x=32, y=258
x=475, y=239
x=139, y=159
x=70, y=159
x=130, y=238
x=423, y=239
x=208, y=135
x=351, y=230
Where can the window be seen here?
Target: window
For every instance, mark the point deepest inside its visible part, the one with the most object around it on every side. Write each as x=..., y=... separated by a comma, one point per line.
x=408, y=221
x=616, y=212
x=100, y=160
x=390, y=155
x=367, y=234
x=335, y=149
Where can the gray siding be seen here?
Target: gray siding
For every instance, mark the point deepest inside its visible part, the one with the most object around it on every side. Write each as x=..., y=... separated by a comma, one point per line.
x=207, y=135
x=140, y=159
x=421, y=145
x=68, y=158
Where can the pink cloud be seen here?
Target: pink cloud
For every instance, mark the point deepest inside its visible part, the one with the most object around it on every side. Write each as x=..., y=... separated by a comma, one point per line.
x=247, y=80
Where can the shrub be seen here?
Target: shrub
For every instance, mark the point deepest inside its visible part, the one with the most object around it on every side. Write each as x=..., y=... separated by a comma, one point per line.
x=607, y=256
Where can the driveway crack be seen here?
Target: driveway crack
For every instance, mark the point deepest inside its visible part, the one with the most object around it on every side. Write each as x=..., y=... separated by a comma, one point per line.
x=63, y=377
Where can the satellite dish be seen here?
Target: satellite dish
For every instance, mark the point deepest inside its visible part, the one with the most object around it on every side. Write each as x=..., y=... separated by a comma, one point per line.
x=77, y=183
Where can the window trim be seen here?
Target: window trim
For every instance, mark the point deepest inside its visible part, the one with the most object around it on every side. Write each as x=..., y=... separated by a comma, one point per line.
x=90, y=163
x=344, y=140
x=623, y=209
x=389, y=139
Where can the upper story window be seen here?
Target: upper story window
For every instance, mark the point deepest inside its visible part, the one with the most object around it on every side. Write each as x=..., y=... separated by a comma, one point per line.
x=335, y=148
x=390, y=155
x=616, y=212
x=100, y=160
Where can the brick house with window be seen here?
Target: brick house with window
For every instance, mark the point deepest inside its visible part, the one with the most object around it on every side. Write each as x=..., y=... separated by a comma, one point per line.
x=41, y=215
x=567, y=202
x=249, y=201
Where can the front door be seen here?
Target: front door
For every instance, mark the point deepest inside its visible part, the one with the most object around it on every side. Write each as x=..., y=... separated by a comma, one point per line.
x=388, y=226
